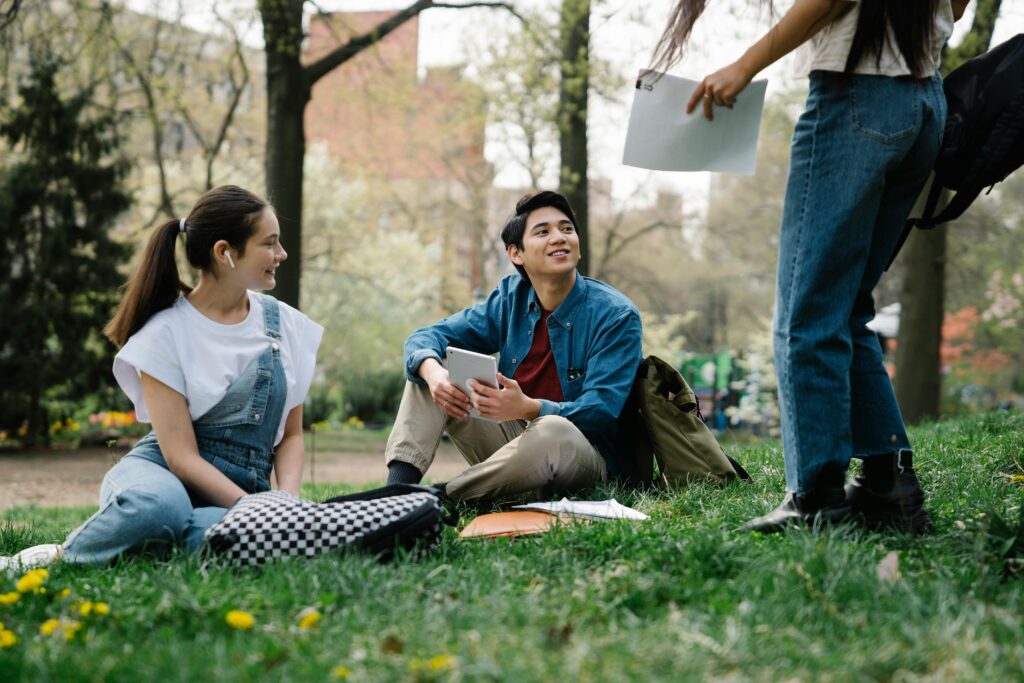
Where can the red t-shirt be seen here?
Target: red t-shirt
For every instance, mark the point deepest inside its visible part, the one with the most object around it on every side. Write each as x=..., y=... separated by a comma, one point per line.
x=537, y=374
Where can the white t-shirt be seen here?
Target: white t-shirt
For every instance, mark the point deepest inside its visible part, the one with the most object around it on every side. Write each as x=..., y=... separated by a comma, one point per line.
x=830, y=47
x=200, y=358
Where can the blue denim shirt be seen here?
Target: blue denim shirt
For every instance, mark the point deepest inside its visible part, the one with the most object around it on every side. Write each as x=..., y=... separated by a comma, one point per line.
x=595, y=339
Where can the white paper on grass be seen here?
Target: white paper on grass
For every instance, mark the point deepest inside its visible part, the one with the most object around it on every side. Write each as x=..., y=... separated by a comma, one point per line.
x=591, y=509
x=663, y=137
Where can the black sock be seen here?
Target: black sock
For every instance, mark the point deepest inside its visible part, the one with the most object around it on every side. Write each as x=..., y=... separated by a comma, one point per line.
x=403, y=473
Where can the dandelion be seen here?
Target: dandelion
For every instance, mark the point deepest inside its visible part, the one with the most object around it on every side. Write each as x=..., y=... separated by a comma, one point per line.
x=341, y=672
x=9, y=598
x=32, y=580
x=70, y=629
x=309, y=619
x=441, y=663
x=240, y=620
x=66, y=592
x=49, y=627
x=86, y=608
x=7, y=639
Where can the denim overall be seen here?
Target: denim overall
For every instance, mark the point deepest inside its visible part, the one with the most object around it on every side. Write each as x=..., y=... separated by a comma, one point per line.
x=143, y=503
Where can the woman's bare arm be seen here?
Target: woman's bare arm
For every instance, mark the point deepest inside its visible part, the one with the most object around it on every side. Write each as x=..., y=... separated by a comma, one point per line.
x=173, y=426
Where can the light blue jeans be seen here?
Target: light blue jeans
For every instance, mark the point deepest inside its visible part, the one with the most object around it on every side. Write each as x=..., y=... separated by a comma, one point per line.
x=861, y=153
x=143, y=507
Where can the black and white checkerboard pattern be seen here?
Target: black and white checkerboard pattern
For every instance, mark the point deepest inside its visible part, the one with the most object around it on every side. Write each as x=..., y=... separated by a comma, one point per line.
x=273, y=524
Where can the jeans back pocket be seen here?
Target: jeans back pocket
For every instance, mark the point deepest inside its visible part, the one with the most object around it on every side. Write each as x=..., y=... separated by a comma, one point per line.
x=884, y=108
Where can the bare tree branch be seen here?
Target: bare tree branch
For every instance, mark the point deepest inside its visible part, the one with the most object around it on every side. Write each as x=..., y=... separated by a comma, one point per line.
x=357, y=44
x=8, y=13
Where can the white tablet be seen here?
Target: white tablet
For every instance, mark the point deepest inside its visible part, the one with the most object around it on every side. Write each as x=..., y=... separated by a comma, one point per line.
x=466, y=365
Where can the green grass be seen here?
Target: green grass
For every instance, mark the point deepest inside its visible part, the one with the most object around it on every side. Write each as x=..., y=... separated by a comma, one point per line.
x=680, y=597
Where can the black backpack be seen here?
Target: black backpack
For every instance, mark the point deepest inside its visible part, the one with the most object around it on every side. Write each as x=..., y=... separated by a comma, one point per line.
x=984, y=137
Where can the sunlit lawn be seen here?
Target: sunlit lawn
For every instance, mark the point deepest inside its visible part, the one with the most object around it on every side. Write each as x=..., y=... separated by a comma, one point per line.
x=680, y=597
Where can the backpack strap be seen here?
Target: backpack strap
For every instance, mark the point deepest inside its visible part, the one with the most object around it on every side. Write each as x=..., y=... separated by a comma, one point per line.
x=925, y=222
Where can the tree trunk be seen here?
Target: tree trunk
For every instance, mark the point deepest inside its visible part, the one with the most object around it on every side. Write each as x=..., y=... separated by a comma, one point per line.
x=918, y=375
x=288, y=91
x=573, y=88
x=918, y=372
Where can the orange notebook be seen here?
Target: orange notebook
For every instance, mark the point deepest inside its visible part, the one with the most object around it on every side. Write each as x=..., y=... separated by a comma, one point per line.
x=518, y=523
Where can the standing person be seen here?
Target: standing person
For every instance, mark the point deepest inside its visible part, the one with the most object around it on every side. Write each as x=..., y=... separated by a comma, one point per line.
x=219, y=370
x=861, y=153
x=570, y=348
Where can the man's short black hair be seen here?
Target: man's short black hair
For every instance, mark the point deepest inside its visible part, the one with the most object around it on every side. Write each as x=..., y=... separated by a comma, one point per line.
x=515, y=226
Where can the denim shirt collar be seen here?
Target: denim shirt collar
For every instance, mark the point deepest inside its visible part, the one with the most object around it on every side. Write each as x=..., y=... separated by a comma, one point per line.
x=567, y=311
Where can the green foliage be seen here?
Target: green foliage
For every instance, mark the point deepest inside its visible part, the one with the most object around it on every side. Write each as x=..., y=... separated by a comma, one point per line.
x=60, y=190
x=680, y=597
x=373, y=396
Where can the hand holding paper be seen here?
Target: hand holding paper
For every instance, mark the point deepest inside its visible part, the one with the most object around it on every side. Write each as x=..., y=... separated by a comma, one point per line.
x=663, y=137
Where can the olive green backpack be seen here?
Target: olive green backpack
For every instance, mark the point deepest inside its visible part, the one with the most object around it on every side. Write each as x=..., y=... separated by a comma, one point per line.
x=661, y=421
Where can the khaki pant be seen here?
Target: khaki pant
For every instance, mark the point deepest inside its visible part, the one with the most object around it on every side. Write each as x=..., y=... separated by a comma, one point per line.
x=548, y=454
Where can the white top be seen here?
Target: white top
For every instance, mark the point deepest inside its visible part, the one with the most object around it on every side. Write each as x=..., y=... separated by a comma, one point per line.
x=200, y=358
x=829, y=48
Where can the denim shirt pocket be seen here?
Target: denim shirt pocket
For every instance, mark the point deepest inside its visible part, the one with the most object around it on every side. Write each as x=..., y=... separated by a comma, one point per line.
x=574, y=383
x=883, y=108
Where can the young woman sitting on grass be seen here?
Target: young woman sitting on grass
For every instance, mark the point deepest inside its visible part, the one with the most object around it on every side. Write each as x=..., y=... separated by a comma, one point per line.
x=219, y=370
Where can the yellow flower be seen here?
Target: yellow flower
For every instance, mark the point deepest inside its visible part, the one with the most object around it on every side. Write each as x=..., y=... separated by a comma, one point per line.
x=441, y=663
x=9, y=598
x=32, y=580
x=48, y=627
x=70, y=629
x=85, y=608
x=239, y=619
x=100, y=608
x=64, y=593
x=7, y=639
x=309, y=618
x=340, y=672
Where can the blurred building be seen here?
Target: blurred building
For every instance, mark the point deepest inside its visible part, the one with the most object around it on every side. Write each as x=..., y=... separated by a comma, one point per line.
x=417, y=141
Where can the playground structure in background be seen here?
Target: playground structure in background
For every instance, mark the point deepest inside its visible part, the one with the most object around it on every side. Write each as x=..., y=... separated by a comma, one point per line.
x=735, y=392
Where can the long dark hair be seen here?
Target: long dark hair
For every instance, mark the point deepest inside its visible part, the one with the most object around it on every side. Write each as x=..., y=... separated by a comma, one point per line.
x=912, y=24
x=224, y=213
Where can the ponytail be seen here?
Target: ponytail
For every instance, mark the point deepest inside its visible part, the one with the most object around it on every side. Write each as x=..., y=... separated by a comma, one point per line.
x=227, y=213
x=153, y=286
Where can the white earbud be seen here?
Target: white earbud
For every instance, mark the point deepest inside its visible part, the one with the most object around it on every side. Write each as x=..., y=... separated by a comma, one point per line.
x=231, y=261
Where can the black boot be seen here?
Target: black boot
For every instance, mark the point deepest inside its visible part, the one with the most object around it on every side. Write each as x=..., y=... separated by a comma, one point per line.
x=825, y=505
x=887, y=495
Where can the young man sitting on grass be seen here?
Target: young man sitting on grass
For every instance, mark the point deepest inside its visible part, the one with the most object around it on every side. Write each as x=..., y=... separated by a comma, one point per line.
x=569, y=346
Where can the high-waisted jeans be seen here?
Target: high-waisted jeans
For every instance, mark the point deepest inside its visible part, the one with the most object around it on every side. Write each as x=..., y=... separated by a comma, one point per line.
x=861, y=153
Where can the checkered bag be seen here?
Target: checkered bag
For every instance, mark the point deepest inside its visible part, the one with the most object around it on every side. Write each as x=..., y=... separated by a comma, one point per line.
x=273, y=524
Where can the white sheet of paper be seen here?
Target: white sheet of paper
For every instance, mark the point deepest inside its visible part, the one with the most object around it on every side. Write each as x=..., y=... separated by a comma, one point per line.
x=591, y=509
x=663, y=137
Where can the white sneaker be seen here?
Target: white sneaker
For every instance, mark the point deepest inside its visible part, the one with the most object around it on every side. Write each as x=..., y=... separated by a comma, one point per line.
x=30, y=558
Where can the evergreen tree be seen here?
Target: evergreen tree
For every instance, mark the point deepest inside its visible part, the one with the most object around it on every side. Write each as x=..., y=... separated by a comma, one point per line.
x=61, y=186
